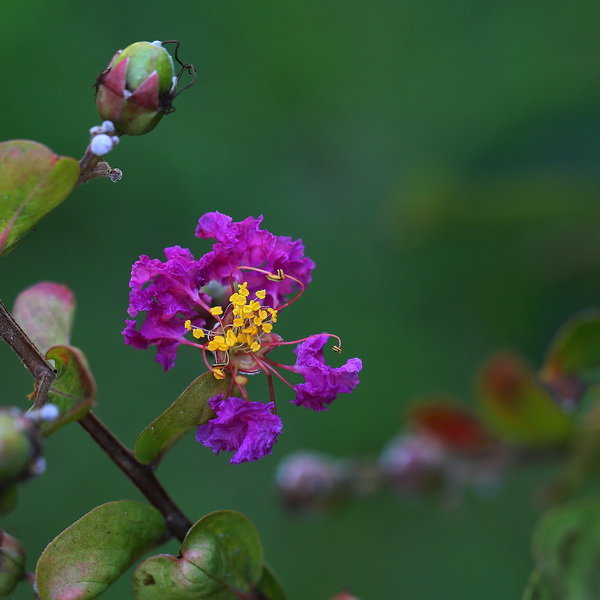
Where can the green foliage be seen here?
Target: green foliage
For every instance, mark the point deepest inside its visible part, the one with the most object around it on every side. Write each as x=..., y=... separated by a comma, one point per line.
x=73, y=390
x=188, y=411
x=83, y=560
x=567, y=553
x=220, y=557
x=516, y=407
x=573, y=359
x=269, y=585
x=45, y=313
x=33, y=181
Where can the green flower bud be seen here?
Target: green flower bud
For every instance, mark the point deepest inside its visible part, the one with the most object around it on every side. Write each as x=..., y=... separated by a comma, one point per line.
x=137, y=88
x=20, y=448
x=12, y=562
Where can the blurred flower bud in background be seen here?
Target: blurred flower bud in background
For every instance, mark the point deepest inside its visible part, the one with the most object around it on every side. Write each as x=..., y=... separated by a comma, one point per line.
x=137, y=88
x=413, y=462
x=308, y=481
x=12, y=562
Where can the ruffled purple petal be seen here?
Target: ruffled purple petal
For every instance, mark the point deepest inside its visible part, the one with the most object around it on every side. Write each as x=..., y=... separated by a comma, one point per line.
x=249, y=429
x=169, y=292
x=322, y=383
x=245, y=244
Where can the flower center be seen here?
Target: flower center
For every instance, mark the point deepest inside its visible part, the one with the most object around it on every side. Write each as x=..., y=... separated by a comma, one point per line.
x=243, y=328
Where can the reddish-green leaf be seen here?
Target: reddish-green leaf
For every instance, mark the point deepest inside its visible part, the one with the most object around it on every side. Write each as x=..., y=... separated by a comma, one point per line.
x=83, y=560
x=45, y=313
x=451, y=425
x=573, y=359
x=220, y=555
x=188, y=411
x=73, y=391
x=516, y=407
x=33, y=181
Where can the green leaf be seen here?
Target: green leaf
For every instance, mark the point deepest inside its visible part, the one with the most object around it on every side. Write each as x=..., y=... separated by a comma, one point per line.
x=539, y=587
x=565, y=546
x=83, y=560
x=518, y=409
x=221, y=554
x=269, y=586
x=573, y=359
x=45, y=313
x=33, y=181
x=73, y=391
x=188, y=411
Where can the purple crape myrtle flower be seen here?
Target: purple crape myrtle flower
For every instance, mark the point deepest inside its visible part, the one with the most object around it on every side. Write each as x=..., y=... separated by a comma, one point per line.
x=322, y=382
x=229, y=300
x=249, y=429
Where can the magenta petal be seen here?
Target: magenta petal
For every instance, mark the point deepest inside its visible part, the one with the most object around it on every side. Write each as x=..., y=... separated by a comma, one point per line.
x=322, y=383
x=248, y=429
x=245, y=244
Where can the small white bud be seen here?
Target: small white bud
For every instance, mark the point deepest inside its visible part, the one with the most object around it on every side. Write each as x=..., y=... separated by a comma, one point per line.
x=107, y=127
x=115, y=139
x=115, y=175
x=101, y=144
x=38, y=467
x=95, y=130
x=48, y=412
x=174, y=82
x=157, y=43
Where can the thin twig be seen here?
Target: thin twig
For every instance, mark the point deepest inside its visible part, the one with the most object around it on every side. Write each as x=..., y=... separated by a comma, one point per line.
x=141, y=475
x=30, y=356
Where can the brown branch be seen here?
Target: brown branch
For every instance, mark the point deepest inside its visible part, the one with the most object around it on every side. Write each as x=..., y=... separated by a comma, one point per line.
x=30, y=356
x=141, y=475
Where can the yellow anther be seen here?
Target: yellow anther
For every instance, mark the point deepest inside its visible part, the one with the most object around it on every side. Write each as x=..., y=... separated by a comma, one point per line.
x=267, y=327
x=230, y=338
x=272, y=312
x=263, y=314
x=188, y=325
x=261, y=294
x=252, y=330
x=243, y=289
x=216, y=310
x=255, y=306
x=218, y=373
x=278, y=276
x=257, y=321
x=255, y=347
x=241, y=380
x=247, y=311
x=242, y=338
x=212, y=345
x=237, y=299
x=238, y=322
x=198, y=333
x=336, y=349
x=237, y=311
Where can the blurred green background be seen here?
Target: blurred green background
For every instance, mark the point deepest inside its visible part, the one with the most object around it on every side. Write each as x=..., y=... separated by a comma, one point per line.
x=439, y=160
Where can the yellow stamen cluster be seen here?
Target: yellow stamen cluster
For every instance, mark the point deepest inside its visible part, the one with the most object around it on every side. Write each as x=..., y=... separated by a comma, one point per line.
x=250, y=321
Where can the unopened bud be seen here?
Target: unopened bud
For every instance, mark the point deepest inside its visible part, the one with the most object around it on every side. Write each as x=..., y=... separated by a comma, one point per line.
x=412, y=462
x=308, y=481
x=12, y=562
x=136, y=88
x=20, y=447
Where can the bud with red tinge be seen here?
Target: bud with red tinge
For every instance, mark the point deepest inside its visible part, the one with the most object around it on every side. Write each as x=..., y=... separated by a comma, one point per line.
x=137, y=87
